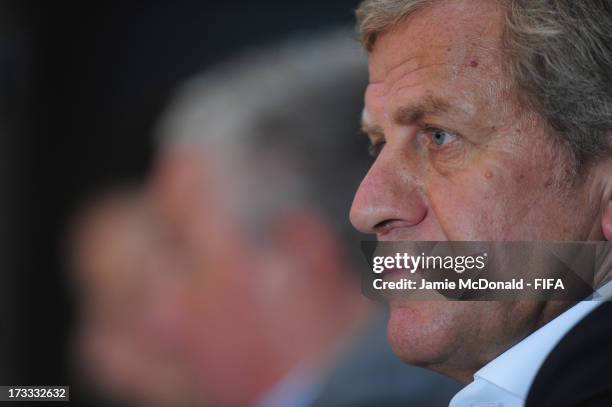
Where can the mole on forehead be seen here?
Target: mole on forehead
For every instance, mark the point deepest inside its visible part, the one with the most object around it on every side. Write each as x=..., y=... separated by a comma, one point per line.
x=437, y=60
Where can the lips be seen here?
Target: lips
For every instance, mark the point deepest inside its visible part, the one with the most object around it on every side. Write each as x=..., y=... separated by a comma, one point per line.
x=387, y=272
x=397, y=273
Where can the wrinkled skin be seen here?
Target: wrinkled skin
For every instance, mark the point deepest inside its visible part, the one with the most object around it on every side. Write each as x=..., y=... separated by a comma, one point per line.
x=493, y=173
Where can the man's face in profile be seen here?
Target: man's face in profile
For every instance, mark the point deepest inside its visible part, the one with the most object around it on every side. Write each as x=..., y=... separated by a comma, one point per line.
x=460, y=158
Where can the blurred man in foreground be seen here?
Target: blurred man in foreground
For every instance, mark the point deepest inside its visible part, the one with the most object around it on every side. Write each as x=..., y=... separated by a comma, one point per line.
x=492, y=121
x=235, y=263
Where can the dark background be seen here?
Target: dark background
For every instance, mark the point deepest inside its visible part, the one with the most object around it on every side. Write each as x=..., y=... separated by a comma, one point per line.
x=81, y=85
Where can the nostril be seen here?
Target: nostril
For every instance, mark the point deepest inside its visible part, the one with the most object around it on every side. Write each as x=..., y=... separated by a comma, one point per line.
x=384, y=225
x=389, y=224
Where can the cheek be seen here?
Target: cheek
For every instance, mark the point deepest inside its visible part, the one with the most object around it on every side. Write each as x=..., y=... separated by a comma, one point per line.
x=464, y=209
x=487, y=202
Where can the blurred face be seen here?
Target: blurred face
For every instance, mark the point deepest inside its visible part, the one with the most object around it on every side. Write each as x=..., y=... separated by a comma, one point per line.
x=224, y=323
x=459, y=159
x=252, y=308
x=173, y=307
x=122, y=270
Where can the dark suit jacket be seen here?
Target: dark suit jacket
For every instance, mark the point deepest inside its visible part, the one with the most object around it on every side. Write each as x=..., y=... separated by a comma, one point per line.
x=578, y=372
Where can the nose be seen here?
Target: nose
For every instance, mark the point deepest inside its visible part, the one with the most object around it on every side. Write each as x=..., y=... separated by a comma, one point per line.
x=387, y=199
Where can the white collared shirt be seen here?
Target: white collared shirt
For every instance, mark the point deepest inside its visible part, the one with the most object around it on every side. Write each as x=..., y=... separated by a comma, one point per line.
x=505, y=381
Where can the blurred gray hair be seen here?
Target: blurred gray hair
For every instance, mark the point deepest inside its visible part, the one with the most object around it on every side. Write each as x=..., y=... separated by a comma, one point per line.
x=285, y=121
x=560, y=57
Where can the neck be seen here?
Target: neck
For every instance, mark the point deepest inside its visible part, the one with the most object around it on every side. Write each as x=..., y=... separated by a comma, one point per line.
x=464, y=371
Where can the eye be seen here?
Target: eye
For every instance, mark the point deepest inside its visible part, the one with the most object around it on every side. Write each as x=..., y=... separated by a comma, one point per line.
x=375, y=148
x=441, y=137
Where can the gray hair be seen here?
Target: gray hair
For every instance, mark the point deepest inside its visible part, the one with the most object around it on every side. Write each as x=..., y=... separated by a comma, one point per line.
x=560, y=57
x=287, y=118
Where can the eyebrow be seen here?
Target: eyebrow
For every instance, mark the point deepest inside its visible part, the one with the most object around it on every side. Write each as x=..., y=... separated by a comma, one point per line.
x=407, y=114
x=429, y=105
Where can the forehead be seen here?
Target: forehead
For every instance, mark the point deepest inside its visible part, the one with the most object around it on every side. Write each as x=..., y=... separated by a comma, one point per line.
x=452, y=45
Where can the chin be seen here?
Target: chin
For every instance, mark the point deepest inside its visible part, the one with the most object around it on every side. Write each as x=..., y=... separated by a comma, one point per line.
x=426, y=333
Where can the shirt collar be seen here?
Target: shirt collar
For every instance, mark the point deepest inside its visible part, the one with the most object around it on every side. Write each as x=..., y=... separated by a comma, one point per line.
x=528, y=355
